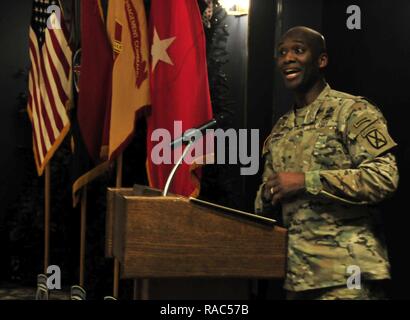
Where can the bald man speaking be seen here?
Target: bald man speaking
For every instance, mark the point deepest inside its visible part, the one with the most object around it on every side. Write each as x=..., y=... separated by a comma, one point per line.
x=328, y=161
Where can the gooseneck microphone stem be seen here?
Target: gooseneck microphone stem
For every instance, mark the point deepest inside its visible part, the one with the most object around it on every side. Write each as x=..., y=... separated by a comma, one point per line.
x=189, y=137
x=174, y=169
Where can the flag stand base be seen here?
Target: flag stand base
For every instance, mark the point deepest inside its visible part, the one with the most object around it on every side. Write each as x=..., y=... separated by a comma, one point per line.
x=78, y=293
x=42, y=292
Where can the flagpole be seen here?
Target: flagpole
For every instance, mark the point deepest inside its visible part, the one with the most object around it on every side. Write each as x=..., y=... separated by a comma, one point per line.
x=116, y=277
x=83, y=233
x=47, y=218
x=118, y=184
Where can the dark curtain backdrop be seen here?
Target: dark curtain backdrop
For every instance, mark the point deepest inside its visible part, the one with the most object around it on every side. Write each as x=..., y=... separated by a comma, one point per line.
x=373, y=62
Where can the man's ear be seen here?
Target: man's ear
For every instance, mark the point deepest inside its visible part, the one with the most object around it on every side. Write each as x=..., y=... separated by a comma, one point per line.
x=323, y=60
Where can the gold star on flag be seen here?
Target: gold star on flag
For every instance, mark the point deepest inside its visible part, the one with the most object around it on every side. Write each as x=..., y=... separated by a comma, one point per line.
x=159, y=50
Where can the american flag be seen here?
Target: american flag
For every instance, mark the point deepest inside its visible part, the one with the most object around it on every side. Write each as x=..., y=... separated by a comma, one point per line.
x=50, y=87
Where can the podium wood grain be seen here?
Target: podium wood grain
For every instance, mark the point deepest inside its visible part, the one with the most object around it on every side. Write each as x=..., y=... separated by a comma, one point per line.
x=156, y=237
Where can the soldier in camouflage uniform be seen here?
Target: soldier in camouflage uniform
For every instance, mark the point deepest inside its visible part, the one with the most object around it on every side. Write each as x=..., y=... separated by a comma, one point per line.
x=327, y=162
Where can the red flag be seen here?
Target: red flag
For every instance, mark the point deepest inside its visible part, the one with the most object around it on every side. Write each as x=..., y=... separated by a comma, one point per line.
x=49, y=81
x=179, y=83
x=94, y=97
x=96, y=75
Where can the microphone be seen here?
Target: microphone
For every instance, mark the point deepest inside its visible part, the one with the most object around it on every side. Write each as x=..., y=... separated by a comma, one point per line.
x=191, y=133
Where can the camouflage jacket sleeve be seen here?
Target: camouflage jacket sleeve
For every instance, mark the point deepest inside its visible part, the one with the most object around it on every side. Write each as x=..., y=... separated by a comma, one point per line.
x=374, y=174
x=260, y=205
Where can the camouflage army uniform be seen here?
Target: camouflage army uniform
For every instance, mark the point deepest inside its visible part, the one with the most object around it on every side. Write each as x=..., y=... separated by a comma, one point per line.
x=371, y=290
x=339, y=141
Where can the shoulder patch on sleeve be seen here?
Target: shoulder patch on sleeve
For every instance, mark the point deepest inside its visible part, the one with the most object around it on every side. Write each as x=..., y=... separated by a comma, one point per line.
x=376, y=139
x=368, y=128
x=362, y=122
x=362, y=116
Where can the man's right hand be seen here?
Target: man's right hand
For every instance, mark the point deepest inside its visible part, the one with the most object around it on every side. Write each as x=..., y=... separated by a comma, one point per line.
x=282, y=184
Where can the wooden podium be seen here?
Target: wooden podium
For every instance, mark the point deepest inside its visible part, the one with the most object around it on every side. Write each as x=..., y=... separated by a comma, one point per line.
x=157, y=237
